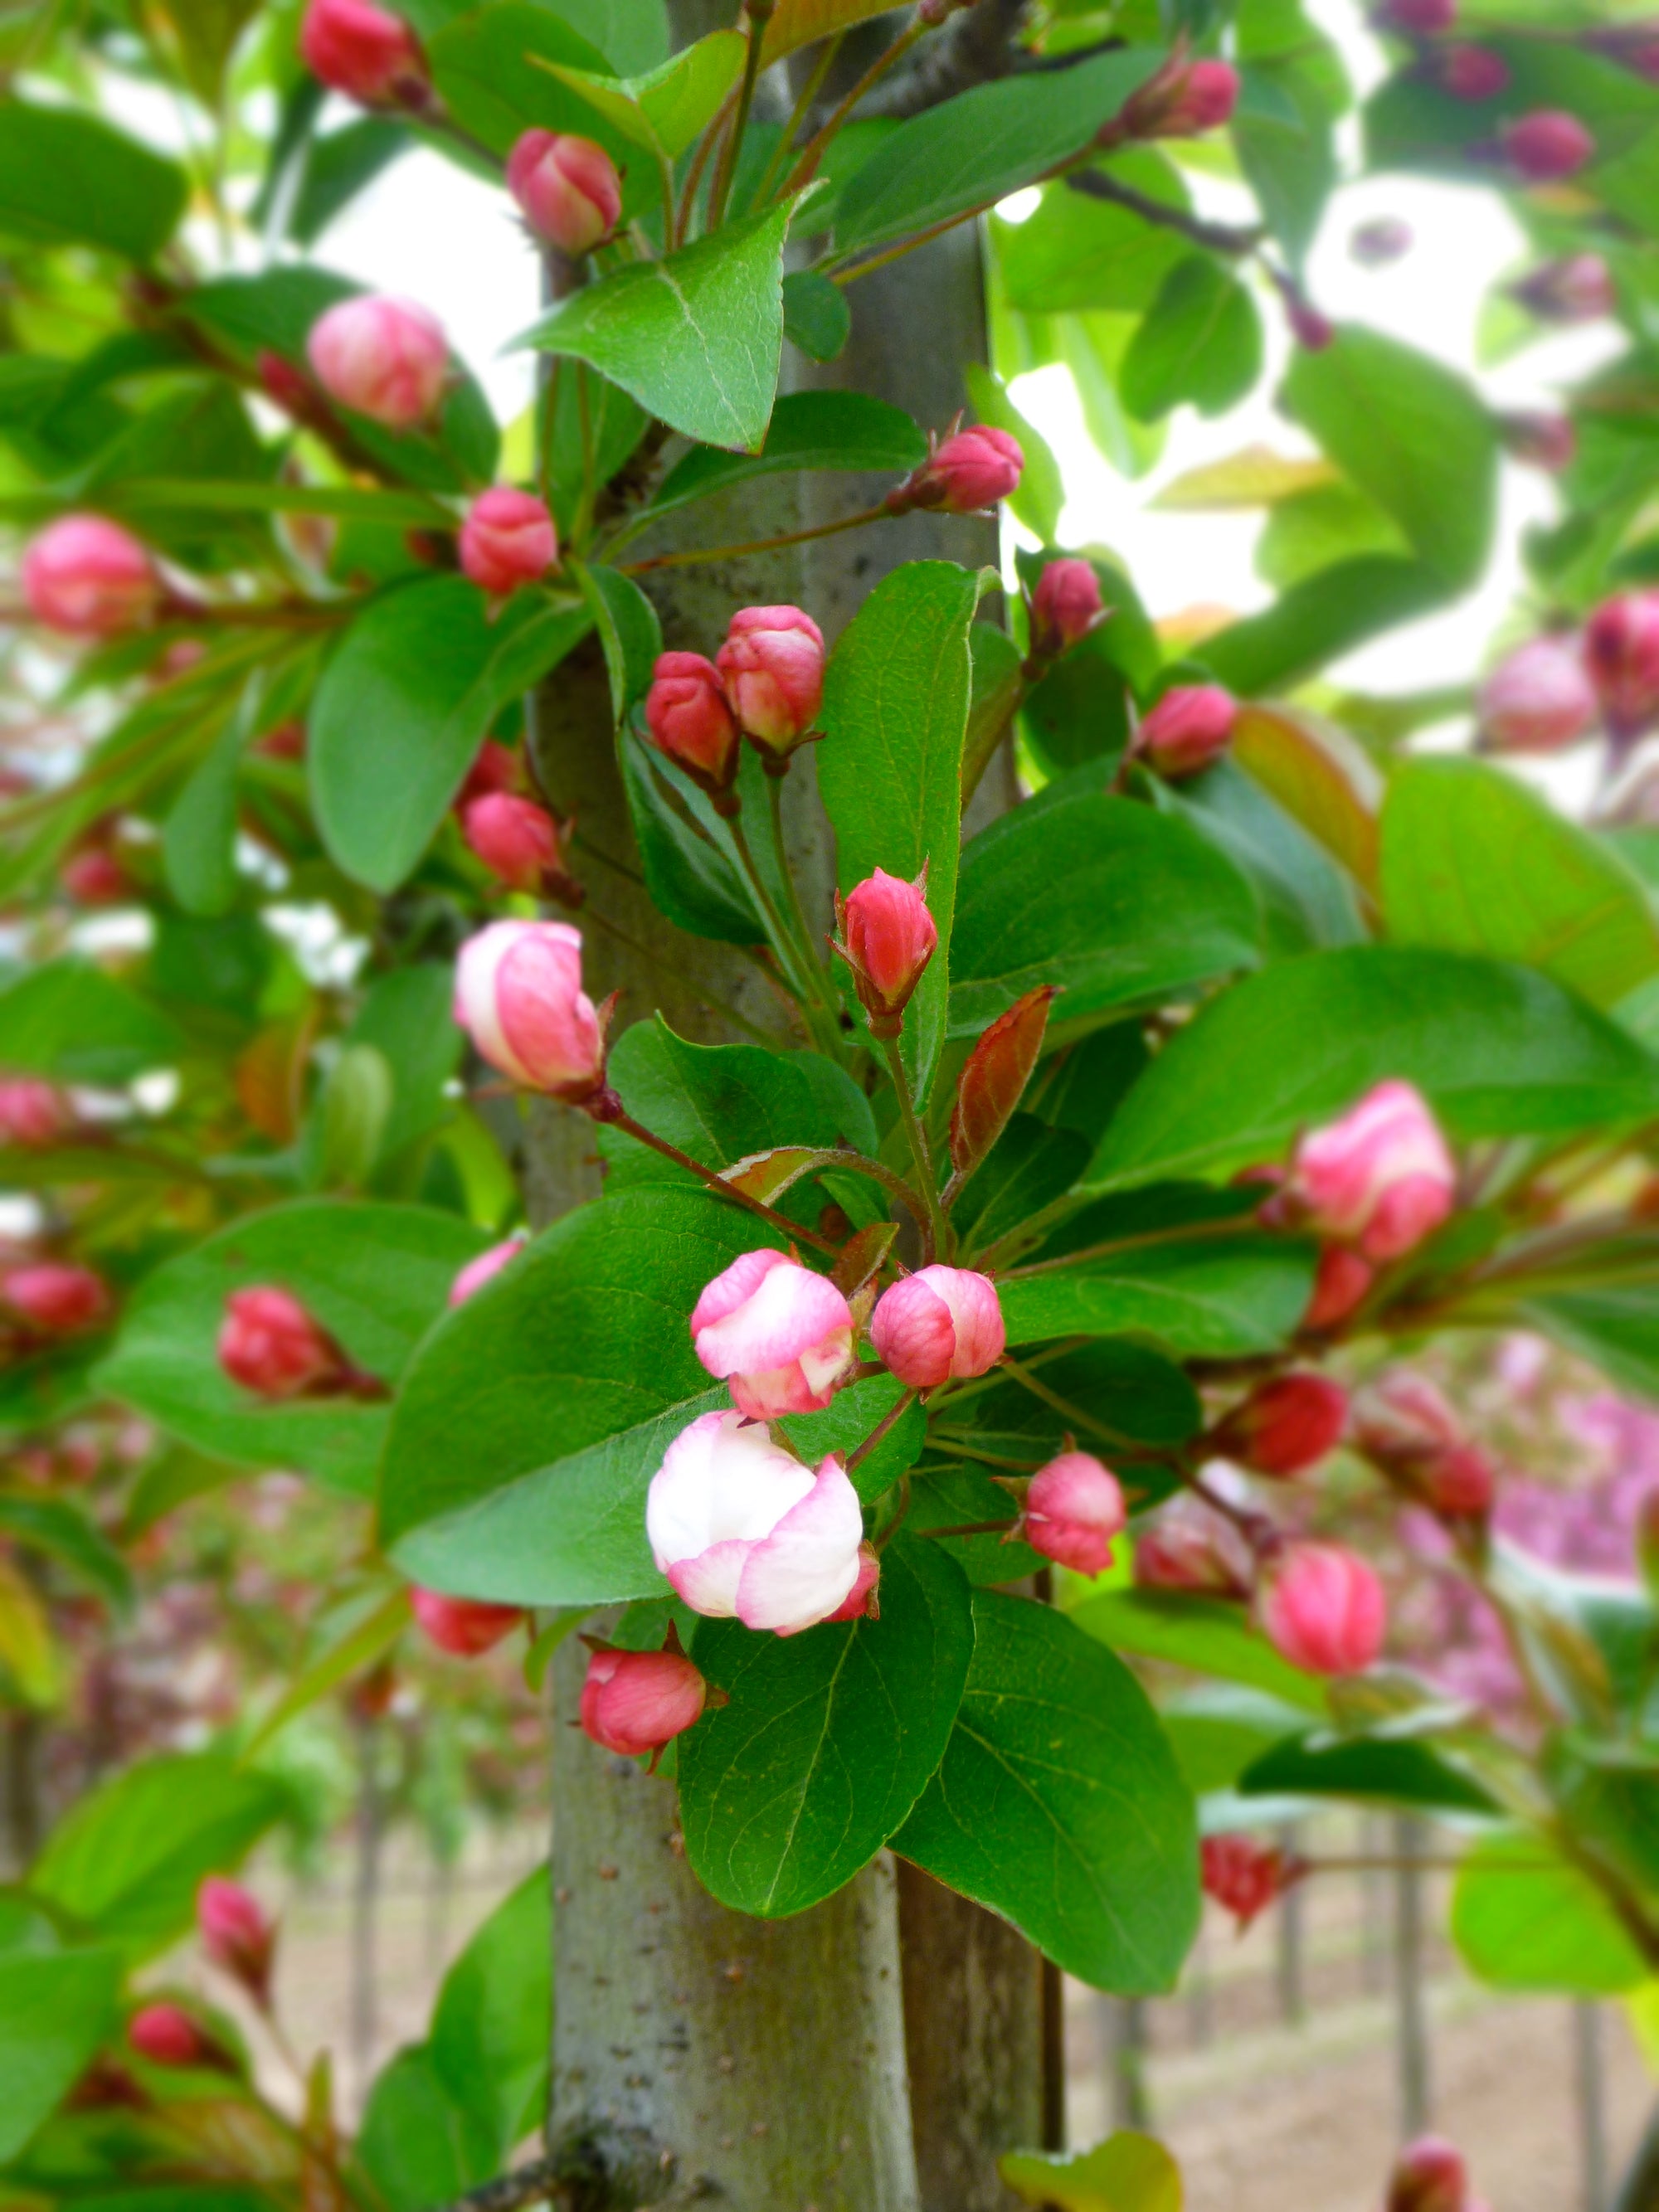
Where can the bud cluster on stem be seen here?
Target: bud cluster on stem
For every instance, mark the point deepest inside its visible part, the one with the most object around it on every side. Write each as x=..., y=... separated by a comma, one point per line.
x=635, y=1703
x=765, y=683
x=567, y=190
x=366, y=52
x=1245, y=1877
x=269, y=1344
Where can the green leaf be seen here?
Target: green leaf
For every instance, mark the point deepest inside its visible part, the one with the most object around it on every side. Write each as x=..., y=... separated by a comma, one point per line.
x=65, y=176
x=480, y=1494
x=373, y=1622
x=667, y=107
x=1206, y=1634
x=628, y=631
x=339, y=166
x=1306, y=901
x=1040, y=494
x=1218, y=1729
x=1060, y=1805
x=1524, y=1917
x=1499, y=1050
x=808, y=430
x=1029, y=1166
x=406, y=1018
x=894, y=713
x=1615, y=1327
x=70, y=1020
x=816, y=315
x=1118, y=906
x=1288, y=157
x=124, y=1862
x=697, y=338
x=1223, y=1299
x=487, y=65
x=974, y=150
x=687, y=874
x=206, y=32
x=1371, y=1769
x=57, y=2008
x=1076, y=252
x=1313, y=530
x=198, y=838
x=1200, y=340
x=66, y=1533
x=403, y=706
x=1320, y=619
x=1475, y=862
x=490, y=2029
x=848, y=1419
x=1126, y=2173
x=1412, y=433
x=375, y=1276
x=415, y=2142
x=829, y=1739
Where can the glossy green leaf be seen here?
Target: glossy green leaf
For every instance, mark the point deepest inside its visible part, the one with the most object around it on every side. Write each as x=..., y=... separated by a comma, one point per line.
x=490, y=2026
x=198, y=838
x=1524, y=1917
x=375, y=1276
x=1127, y=2172
x=404, y=705
x=68, y=177
x=57, y=2008
x=667, y=107
x=1077, y=251
x=405, y=1017
x=487, y=64
x=628, y=631
x=808, y=430
x=1499, y=1050
x=414, y=2141
x=1307, y=900
x=1207, y=1634
x=816, y=317
x=1200, y=340
x=70, y=1020
x=1371, y=1769
x=1059, y=1803
x=1199, y=1300
x=1615, y=1326
x=1029, y=1166
x=1320, y=619
x=1220, y=1728
x=686, y=873
x=829, y=1738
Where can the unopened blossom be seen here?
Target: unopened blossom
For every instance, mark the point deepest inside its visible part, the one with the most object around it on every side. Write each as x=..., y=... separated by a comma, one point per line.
x=940, y=1323
x=1065, y=606
x=1404, y=1424
x=166, y=2035
x=508, y=538
x=1243, y=1876
x=236, y=1935
x=521, y=845
x=1322, y=1609
x=970, y=470
x=1430, y=2175
x=1621, y=652
x=1576, y=288
x=55, y=1297
x=691, y=721
x=887, y=938
x=1287, y=1425
x=88, y=577
x=637, y=1702
x=269, y=1344
x=1341, y=1282
x=779, y=1336
x=1539, y=698
x=383, y=357
x=1385, y=239
x=94, y=877
x=771, y=667
x=1542, y=440
x=741, y=1528
x=1191, y=725
x=495, y=768
x=1474, y=73
x=463, y=1626
x=484, y=1269
x=34, y=1114
x=566, y=188
x=1380, y=1177
x=1074, y=1510
x=518, y=995
x=1191, y=1547
x=1547, y=146
x=365, y=52
x=1184, y=99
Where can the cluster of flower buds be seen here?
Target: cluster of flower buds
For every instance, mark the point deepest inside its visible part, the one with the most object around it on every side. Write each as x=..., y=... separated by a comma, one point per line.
x=635, y=1703
x=1073, y=1511
x=779, y=1336
x=765, y=683
x=46, y=1299
x=1189, y=728
x=236, y=1936
x=269, y=1344
x=940, y=1324
x=965, y=473
x=484, y=1269
x=385, y=358
x=1285, y=1426
x=166, y=2035
x=1405, y=1426
x=508, y=538
x=1184, y=99
x=519, y=996
x=35, y=1114
x=567, y=190
x=1065, y=608
x=887, y=938
x=1322, y=1606
x=465, y=1627
x=1378, y=1180
x=87, y=577
x=1245, y=1877
x=366, y=52
x=1430, y=2175
x=1553, y=690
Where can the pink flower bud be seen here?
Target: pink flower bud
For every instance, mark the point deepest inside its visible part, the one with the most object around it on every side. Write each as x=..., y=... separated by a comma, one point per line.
x=236, y=1936
x=1285, y=1426
x=34, y=1114
x=1190, y=726
x=463, y=1626
x=1430, y=2176
x=566, y=188
x=495, y=769
x=517, y=841
x=691, y=721
x=1065, y=606
x=94, y=877
x=634, y=1702
x=1073, y=1509
x=1546, y=146
x=1243, y=1876
x=860, y=1602
x=1406, y=1426
x=742, y=1528
x=779, y=1336
x=508, y=538
x=484, y=1269
x=1634, y=45
x=167, y=2036
x=938, y=1323
x=1385, y=239
x=1322, y=1609
x=55, y=1298
x=1423, y=19
x=772, y=667
x=385, y=358
x=90, y=578
x=518, y=995
x=1460, y=1485
x=363, y=52
x=1312, y=331
x=1184, y=99
x=1192, y=1547
x=1621, y=651
x=1380, y=1178
x=1578, y=288
x=1340, y=1284
x=887, y=938
x=1542, y=440
x=269, y=1344
x=1474, y=73
x=970, y=470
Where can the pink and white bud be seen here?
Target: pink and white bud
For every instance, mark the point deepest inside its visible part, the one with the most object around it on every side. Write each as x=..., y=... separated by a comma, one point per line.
x=269, y=1344
x=1474, y=73
x=1538, y=699
x=166, y=2035
x=1243, y=1876
x=465, y=1627
x=779, y=1336
x=1621, y=652
x=90, y=578
x=1430, y=2176
x=236, y=1935
x=862, y=1600
x=637, y=1702
x=1547, y=146
x=772, y=667
x=518, y=842
x=484, y=1269
x=1065, y=607
x=566, y=188
x=1322, y=1609
x=34, y=1114
x=1189, y=1546
x=887, y=938
x=1183, y=99
x=742, y=1529
x=970, y=470
x=1380, y=1178
x=1578, y=288
x=940, y=1323
x=385, y=358
x=1191, y=725
x=1342, y=1281
x=508, y=538
x=1073, y=1509
x=519, y=996
x=1287, y=1425
x=54, y=1298
x=370, y=55
x=691, y=722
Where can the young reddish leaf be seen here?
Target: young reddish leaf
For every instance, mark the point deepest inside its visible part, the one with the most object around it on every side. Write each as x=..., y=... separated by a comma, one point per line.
x=998, y=1070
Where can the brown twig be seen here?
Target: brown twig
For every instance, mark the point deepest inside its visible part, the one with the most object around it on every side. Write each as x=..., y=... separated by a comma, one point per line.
x=543, y=2181
x=1235, y=238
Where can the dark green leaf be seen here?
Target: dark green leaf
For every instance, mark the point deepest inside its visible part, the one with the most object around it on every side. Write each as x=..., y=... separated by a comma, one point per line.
x=1199, y=1299
x=850, y=1417
x=340, y=166
x=490, y=2026
x=65, y=1532
x=1200, y=340
x=816, y=315
x=687, y=875
x=628, y=631
x=70, y=1020
x=55, y=2009
x=1028, y=1165
x=64, y=175
x=1321, y=619
x=406, y=1018
x=485, y=65
x=415, y=2142
x=1404, y=1772
x=1306, y=901
x=1077, y=251
x=198, y=838
x=808, y=430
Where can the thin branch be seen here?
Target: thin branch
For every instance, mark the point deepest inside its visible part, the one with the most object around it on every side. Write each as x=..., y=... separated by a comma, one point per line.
x=936, y=1230
x=1235, y=239
x=720, y=1186
x=876, y=514
x=541, y=2182
x=806, y=168
x=888, y=1420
